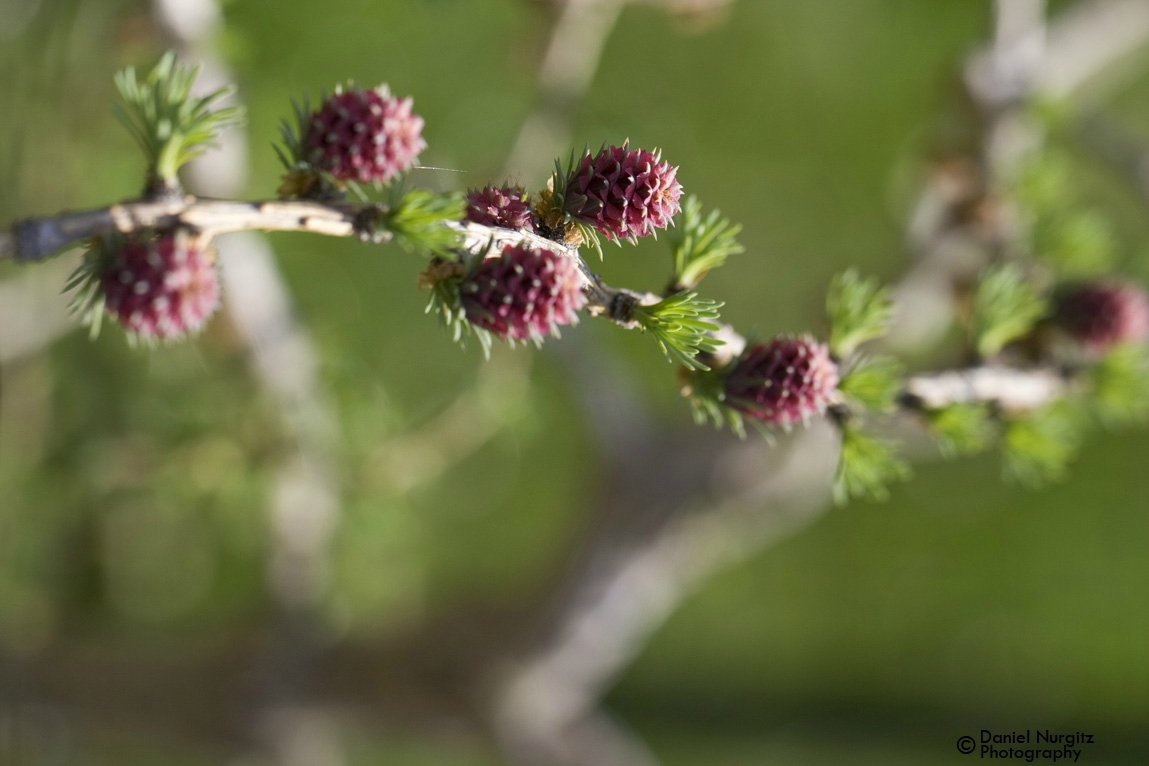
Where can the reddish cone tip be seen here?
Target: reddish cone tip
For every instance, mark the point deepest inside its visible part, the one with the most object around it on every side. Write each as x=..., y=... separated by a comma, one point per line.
x=623, y=193
x=1101, y=315
x=783, y=381
x=500, y=206
x=524, y=293
x=163, y=288
x=364, y=135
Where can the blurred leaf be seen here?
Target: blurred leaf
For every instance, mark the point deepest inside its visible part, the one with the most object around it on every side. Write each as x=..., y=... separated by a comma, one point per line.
x=874, y=382
x=1039, y=446
x=1006, y=308
x=1120, y=385
x=866, y=466
x=962, y=429
x=859, y=310
x=1078, y=244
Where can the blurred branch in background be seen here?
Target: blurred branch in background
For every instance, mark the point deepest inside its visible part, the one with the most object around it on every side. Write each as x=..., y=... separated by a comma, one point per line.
x=573, y=52
x=305, y=505
x=1091, y=42
x=680, y=511
x=572, y=55
x=676, y=507
x=1092, y=45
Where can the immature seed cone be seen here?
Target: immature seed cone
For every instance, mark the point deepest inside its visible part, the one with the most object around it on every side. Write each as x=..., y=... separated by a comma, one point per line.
x=161, y=288
x=783, y=381
x=623, y=193
x=1101, y=315
x=523, y=293
x=504, y=206
x=364, y=135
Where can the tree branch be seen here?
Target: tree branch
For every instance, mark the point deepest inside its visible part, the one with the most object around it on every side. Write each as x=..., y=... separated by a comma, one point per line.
x=1010, y=389
x=33, y=239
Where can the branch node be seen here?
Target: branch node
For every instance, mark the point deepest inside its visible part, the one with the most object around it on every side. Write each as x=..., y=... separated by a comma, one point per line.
x=158, y=189
x=621, y=308
x=364, y=225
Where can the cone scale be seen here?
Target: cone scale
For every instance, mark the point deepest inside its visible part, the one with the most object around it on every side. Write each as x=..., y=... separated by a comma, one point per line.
x=504, y=206
x=162, y=288
x=524, y=293
x=367, y=136
x=783, y=381
x=623, y=193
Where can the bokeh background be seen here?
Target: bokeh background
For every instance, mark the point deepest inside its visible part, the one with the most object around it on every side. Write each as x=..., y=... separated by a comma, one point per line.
x=136, y=486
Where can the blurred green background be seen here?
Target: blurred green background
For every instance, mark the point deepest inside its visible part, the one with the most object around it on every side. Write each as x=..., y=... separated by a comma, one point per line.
x=134, y=485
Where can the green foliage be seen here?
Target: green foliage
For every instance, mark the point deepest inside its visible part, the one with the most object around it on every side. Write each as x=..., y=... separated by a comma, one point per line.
x=1006, y=307
x=590, y=237
x=416, y=221
x=446, y=304
x=292, y=153
x=873, y=382
x=867, y=465
x=1039, y=446
x=962, y=429
x=171, y=127
x=87, y=303
x=680, y=324
x=557, y=199
x=701, y=244
x=303, y=180
x=859, y=309
x=1120, y=385
x=705, y=392
x=1076, y=244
